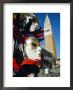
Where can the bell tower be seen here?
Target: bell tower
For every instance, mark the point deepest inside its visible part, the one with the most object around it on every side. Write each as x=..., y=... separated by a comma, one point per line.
x=49, y=39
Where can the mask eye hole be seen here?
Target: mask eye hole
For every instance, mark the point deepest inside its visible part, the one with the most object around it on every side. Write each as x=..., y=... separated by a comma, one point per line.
x=34, y=45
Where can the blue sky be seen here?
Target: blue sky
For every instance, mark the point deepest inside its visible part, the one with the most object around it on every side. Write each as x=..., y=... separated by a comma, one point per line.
x=55, y=21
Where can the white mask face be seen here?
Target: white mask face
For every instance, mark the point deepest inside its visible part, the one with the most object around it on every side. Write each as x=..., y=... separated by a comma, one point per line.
x=32, y=50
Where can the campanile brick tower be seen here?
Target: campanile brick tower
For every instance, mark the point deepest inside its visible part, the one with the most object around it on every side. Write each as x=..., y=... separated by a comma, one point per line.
x=49, y=39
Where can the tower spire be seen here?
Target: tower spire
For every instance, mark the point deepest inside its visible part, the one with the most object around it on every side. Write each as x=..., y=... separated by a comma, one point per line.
x=47, y=26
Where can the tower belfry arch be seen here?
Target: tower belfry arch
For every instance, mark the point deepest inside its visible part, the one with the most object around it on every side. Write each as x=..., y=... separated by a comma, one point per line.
x=49, y=38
